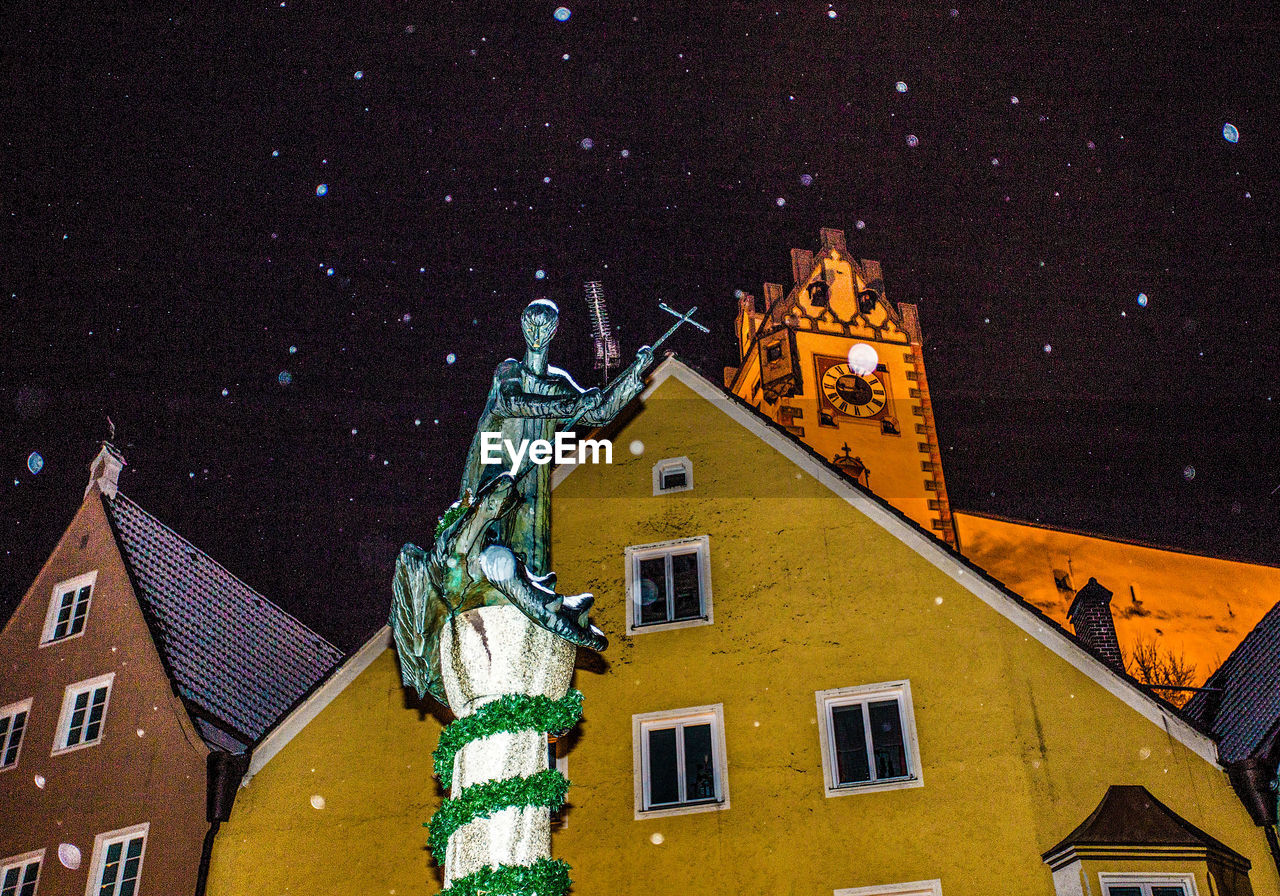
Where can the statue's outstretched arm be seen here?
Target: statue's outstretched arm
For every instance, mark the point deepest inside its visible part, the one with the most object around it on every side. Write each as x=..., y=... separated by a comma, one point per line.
x=619, y=393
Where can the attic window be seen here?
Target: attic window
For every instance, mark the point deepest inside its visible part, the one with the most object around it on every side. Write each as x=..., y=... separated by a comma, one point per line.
x=773, y=353
x=675, y=474
x=68, y=608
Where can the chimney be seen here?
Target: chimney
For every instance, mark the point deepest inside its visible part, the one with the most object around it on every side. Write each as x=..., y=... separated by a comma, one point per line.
x=772, y=296
x=833, y=239
x=1090, y=616
x=801, y=264
x=104, y=472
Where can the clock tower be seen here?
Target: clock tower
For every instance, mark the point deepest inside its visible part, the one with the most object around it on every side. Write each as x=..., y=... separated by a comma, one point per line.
x=836, y=364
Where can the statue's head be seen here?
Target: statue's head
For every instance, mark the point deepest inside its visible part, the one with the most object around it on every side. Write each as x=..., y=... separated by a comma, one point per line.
x=539, y=323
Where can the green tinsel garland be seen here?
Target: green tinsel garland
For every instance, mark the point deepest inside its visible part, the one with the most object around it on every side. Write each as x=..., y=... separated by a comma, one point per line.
x=545, y=788
x=510, y=713
x=545, y=877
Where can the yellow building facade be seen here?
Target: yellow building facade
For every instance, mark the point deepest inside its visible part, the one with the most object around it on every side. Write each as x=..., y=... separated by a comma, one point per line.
x=805, y=693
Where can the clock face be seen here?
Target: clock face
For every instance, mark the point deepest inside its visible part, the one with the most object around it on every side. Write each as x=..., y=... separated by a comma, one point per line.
x=851, y=393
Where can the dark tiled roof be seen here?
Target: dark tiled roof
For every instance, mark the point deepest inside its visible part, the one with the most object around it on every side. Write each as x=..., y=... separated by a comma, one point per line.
x=238, y=657
x=1130, y=816
x=1245, y=713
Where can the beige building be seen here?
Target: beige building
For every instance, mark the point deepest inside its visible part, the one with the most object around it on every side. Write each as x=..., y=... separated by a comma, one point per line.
x=134, y=676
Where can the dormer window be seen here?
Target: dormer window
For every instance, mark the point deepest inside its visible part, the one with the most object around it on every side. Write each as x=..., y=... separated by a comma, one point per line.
x=675, y=474
x=68, y=608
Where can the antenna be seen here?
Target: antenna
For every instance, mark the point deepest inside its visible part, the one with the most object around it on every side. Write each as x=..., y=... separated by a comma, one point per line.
x=607, y=353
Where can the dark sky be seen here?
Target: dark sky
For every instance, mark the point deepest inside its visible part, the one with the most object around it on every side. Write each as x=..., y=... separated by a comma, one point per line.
x=165, y=258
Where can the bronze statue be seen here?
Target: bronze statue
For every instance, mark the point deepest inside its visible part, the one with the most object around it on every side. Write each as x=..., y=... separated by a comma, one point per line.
x=528, y=401
x=492, y=546
x=504, y=671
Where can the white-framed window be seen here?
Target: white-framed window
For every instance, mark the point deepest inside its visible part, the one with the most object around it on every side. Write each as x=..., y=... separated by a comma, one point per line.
x=675, y=474
x=916, y=888
x=117, y=861
x=20, y=875
x=669, y=585
x=680, y=763
x=84, y=713
x=68, y=609
x=13, y=722
x=868, y=738
x=1147, y=884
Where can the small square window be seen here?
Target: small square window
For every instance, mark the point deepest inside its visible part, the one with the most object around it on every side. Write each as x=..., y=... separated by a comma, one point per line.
x=680, y=762
x=117, y=861
x=20, y=875
x=68, y=608
x=669, y=585
x=675, y=474
x=868, y=738
x=773, y=353
x=84, y=713
x=13, y=722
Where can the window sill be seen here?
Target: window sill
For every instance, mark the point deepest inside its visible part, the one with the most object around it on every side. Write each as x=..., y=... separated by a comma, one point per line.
x=58, y=751
x=683, y=809
x=878, y=786
x=642, y=628
x=63, y=640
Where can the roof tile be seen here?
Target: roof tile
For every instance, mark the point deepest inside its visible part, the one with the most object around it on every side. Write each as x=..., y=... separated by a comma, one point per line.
x=232, y=652
x=1247, y=708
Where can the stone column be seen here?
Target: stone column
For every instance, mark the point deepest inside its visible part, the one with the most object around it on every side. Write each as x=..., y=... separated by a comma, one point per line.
x=485, y=654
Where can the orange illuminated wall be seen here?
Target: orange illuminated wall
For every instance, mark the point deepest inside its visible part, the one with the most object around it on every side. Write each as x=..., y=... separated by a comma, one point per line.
x=1201, y=606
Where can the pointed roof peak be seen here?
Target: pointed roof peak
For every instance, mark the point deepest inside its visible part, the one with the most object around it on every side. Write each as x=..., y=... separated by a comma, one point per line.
x=104, y=470
x=1130, y=816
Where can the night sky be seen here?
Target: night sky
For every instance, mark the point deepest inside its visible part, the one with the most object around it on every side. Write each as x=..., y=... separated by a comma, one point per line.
x=294, y=377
